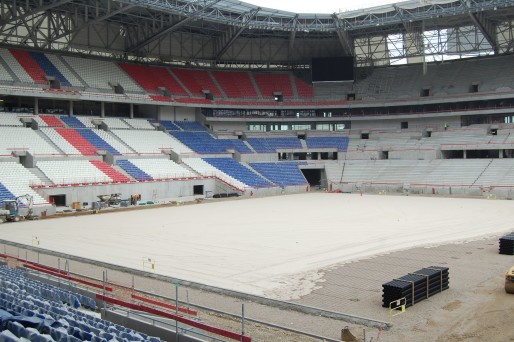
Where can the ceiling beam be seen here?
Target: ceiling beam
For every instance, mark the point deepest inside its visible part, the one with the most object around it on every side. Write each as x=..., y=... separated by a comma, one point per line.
x=33, y=12
x=345, y=39
x=487, y=28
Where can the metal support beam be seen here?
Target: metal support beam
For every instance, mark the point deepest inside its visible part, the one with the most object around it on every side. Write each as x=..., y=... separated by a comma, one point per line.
x=33, y=12
x=292, y=36
x=159, y=34
x=487, y=29
x=247, y=17
x=344, y=36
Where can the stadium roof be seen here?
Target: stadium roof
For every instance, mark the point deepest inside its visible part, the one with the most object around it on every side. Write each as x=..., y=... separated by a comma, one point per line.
x=228, y=30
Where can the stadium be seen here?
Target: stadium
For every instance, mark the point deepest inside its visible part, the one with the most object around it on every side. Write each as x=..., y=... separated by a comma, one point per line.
x=198, y=170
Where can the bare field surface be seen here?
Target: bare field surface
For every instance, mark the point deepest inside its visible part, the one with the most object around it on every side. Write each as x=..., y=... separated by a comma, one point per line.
x=330, y=251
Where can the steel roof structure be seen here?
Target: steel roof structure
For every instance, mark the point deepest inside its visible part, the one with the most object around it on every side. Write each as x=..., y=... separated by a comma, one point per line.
x=231, y=33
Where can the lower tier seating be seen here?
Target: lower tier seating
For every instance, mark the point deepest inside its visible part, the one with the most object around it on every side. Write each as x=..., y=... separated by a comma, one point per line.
x=238, y=171
x=281, y=173
x=73, y=172
x=158, y=169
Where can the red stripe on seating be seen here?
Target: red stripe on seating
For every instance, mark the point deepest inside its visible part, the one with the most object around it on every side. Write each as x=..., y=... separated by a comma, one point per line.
x=77, y=141
x=52, y=121
x=115, y=175
x=30, y=65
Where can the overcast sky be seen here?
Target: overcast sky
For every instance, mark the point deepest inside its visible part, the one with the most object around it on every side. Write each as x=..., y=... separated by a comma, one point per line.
x=320, y=6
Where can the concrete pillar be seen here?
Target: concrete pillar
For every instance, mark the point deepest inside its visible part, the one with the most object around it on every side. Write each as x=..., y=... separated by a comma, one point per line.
x=102, y=109
x=131, y=110
x=500, y=154
x=36, y=106
x=464, y=155
x=71, y=108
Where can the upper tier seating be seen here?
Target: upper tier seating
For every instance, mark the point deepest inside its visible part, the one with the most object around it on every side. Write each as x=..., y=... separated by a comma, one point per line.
x=207, y=170
x=17, y=180
x=305, y=90
x=197, y=81
x=30, y=65
x=281, y=173
x=34, y=311
x=168, y=125
x=150, y=142
x=49, y=68
x=162, y=168
x=64, y=139
x=64, y=70
x=151, y=78
x=4, y=74
x=236, y=84
x=115, y=123
x=139, y=123
x=190, y=125
x=10, y=119
x=72, y=121
x=112, y=173
x=274, y=82
x=111, y=140
x=25, y=139
x=238, y=171
x=98, y=142
x=75, y=172
x=48, y=121
x=98, y=74
x=341, y=143
x=270, y=145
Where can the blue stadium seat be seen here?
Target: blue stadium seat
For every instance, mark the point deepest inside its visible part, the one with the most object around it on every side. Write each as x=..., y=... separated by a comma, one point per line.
x=134, y=171
x=49, y=67
x=5, y=194
x=72, y=121
x=270, y=145
x=238, y=171
x=203, y=142
x=190, y=125
x=281, y=173
x=96, y=141
x=341, y=143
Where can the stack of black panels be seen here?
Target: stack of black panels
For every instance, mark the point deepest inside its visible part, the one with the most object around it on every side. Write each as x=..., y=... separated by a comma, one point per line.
x=507, y=244
x=416, y=286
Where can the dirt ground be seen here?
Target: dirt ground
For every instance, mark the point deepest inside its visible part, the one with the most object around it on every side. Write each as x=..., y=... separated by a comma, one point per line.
x=328, y=251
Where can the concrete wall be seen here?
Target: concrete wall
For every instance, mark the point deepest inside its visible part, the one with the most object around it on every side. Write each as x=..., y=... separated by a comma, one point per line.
x=228, y=126
x=150, y=191
x=414, y=123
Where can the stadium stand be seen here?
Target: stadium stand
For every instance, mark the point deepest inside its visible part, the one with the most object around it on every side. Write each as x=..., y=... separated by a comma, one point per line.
x=162, y=168
x=341, y=143
x=168, y=125
x=48, y=121
x=62, y=172
x=281, y=173
x=10, y=119
x=207, y=170
x=304, y=89
x=236, y=84
x=6, y=77
x=64, y=70
x=151, y=78
x=238, y=171
x=274, y=82
x=270, y=144
x=197, y=81
x=48, y=68
x=117, y=123
x=15, y=180
x=98, y=74
x=133, y=170
x=150, y=142
x=190, y=125
x=72, y=121
x=69, y=141
x=203, y=142
x=139, y=123
x=96, y=141
x=30, y=66
x=24, y=139
x=34, y=311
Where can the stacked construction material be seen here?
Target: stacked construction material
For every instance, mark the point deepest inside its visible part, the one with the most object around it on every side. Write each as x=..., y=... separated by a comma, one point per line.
x=416, y=286
x=507, y=244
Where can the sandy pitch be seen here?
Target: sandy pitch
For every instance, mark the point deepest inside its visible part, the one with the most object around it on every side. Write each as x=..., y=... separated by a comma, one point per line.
x=267, y=246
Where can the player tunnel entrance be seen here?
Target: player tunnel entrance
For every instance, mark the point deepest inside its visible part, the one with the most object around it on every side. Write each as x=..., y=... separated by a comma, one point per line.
x=314, y=177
